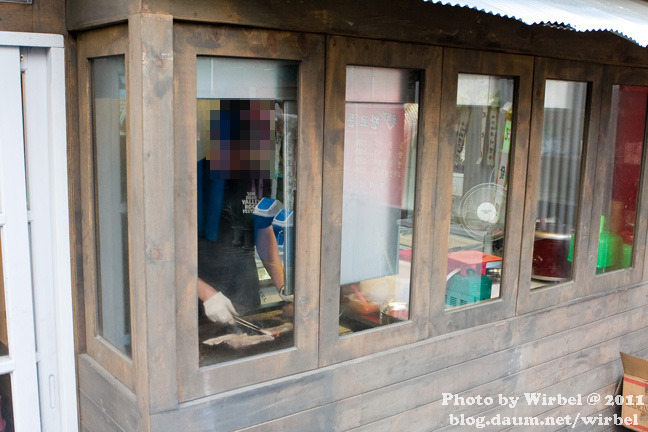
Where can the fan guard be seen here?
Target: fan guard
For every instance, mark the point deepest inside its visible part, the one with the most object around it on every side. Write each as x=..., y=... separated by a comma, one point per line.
x=482, y=210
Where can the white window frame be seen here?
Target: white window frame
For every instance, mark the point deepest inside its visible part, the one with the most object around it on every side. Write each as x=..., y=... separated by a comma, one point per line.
x=50, y=241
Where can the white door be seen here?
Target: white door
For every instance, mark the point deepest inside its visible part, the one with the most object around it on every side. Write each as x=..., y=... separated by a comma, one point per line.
x=37, y=377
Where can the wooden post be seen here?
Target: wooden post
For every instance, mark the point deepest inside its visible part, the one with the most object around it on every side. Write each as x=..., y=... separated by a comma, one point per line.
x=151, y=191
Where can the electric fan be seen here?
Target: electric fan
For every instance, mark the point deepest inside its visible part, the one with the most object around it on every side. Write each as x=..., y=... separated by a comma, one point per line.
x=481, y=212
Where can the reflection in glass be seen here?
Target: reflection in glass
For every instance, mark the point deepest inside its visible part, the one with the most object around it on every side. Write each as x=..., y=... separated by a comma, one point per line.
x=559, y=186
x=111, y=213
x=378, y=196
x=479, y=188
x=4, y=338
x=621, y=191
x=6, y=404
x=246, y=185
x=23, y=83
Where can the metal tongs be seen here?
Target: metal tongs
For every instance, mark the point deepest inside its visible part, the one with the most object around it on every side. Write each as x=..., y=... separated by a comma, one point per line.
x=251, y=326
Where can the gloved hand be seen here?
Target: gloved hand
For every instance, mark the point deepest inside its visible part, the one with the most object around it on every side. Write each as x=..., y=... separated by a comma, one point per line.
x=287, y=298
x=219, y=309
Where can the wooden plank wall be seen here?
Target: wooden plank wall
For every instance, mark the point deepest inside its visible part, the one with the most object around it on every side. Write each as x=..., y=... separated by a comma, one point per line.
x=40, y=17
x=408, y=21
x=105, y=404
x=570, y=349
x=83, y=14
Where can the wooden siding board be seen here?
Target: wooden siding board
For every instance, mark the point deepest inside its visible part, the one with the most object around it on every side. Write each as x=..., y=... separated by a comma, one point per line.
x=576, y=378
x=289, y=395
x=109, y=395
x=627, y=300
x=16, y=17
x=615, y=429
x=586, y=409
x=420, y=418
x=541, y=376
x=85, y=14
x=327, y=418
x=588, y=382
x=94, y=420
x=502, y=377
x=607, y=412
x=49, y=16
x=41, y=17
x=583, y=410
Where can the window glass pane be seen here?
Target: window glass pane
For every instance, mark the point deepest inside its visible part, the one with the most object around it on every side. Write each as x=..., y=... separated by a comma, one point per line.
x=378, y=196
x=621, y=192
x=111, y=212
x=559, y=187
x=479, y=188
x=246, y=186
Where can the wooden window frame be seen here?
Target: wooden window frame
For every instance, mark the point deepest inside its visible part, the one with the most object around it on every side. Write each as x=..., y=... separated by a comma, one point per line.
x=342, y=51
x=615, y=75
x=550, y=69
x=105, y=42
x=520, y=68
x=191, y=41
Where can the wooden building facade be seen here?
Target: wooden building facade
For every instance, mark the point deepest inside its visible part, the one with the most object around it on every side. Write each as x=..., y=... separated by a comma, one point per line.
x=469, y=214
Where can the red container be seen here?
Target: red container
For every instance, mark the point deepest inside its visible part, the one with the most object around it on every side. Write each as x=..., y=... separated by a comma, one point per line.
x=550, y=252
x=470, y=259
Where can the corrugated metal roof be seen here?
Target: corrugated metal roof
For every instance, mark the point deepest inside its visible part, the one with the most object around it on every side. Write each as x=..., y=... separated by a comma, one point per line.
x=628, y=18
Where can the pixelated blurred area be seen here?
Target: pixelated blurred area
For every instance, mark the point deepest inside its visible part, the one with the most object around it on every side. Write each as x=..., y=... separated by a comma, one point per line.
x=240, y=137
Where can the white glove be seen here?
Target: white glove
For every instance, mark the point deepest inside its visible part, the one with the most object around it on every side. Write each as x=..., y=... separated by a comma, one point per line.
x=219, y=309
x=287, y=298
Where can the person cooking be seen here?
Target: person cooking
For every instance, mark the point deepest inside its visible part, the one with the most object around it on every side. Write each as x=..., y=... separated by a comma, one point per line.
x=227, y=273
x=231, y=182
x=218, y=307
